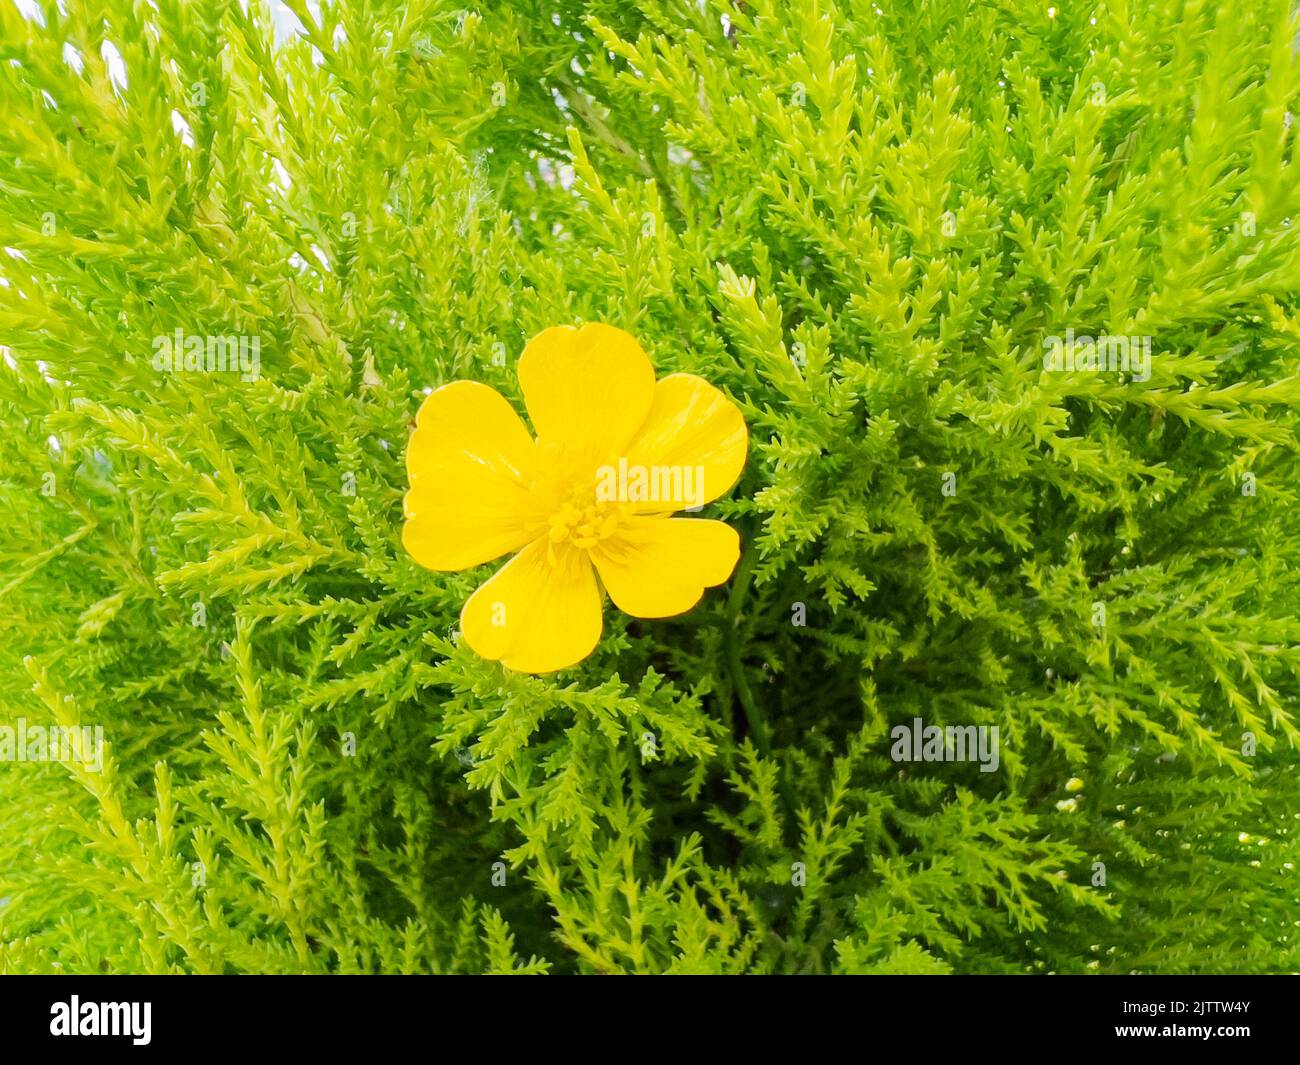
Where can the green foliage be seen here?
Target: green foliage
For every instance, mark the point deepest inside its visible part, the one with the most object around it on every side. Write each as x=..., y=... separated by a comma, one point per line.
x=859, y=219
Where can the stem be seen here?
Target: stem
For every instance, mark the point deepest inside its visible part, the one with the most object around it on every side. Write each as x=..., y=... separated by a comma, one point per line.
x=739, y=681
x=585, y=108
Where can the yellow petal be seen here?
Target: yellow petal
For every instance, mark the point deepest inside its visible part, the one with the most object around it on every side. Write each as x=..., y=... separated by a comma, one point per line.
x=588, y=388
x=536, y=616
x=659, y=567
x=697, y=435
x=469, y=459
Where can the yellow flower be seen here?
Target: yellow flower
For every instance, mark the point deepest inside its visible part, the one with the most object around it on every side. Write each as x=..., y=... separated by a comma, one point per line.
x=616, y=454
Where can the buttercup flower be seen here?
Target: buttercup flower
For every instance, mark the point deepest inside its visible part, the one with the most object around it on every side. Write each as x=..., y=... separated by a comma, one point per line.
x=587, y=504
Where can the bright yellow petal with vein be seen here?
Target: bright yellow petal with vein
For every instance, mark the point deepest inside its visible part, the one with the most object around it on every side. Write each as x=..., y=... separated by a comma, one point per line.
x=691, y=426
x=659, y=567
x=535, y=617
x=469, y=460
x=588, y=387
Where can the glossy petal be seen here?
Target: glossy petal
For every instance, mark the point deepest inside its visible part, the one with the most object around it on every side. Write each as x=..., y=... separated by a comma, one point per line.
x=468, y=460
x=696, y=432
x=659, y=567
x=536, y=615
x=588, y=388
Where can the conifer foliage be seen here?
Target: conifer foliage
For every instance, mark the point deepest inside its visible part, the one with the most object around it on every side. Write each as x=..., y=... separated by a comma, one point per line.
x=865, y=222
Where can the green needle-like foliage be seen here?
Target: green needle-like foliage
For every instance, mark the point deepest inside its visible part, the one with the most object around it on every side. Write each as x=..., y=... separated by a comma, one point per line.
x=862, y=221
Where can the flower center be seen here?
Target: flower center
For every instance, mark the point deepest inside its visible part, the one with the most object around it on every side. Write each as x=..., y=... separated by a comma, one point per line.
x=583, y=525
x=565, y=493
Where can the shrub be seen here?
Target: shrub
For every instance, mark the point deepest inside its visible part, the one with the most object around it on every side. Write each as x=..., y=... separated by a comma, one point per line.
x=863, y=221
